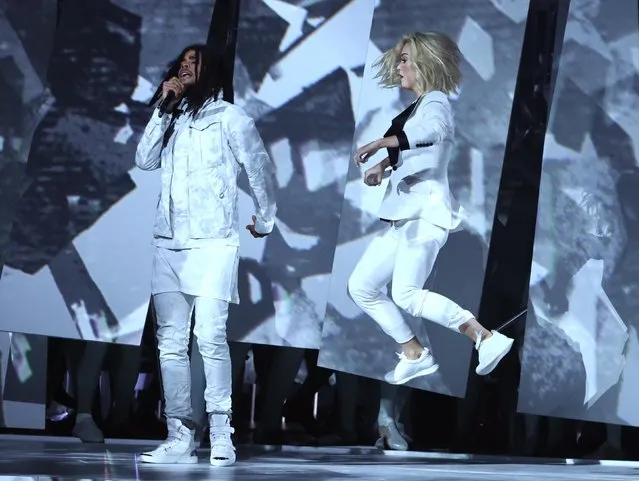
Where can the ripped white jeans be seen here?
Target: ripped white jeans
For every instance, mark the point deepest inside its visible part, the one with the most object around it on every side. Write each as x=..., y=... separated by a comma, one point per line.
x=405, y=253
x=173, y=312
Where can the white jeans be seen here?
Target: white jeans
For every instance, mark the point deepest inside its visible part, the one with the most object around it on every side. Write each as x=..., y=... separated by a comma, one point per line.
x=405, y=253
x=173, y=310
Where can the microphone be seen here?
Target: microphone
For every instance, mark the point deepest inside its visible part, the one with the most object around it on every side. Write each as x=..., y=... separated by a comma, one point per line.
x=164, y=105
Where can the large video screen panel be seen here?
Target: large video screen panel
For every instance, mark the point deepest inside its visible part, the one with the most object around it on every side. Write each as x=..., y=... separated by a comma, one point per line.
x=298, y=74
x=581, y=351
x=26, y=38
x=490, y=36
x=79, y=260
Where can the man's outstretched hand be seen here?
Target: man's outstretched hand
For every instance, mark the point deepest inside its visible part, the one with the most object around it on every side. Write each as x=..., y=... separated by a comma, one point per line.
x=251, y=229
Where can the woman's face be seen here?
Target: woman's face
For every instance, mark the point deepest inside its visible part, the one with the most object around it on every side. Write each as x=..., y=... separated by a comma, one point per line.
x=406, y=70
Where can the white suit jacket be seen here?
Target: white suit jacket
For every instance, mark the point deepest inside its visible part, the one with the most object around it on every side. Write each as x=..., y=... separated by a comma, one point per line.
x=222, y=138
x=418, y=186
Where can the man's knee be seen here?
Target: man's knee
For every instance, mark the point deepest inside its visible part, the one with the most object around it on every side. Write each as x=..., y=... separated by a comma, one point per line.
x=172, y=344
x=212, y=334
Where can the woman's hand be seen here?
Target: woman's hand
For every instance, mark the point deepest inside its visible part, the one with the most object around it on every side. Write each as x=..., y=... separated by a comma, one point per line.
x=363, y=154
x=374, y=175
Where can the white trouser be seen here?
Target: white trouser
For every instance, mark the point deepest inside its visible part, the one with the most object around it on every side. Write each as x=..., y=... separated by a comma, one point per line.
x=405, y=253
x=173, y=310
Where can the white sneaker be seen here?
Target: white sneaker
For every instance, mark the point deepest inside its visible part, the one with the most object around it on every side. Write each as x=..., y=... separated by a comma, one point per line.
x=222, y=449
x=408, y=369
x=179, y=447
x=491, y=351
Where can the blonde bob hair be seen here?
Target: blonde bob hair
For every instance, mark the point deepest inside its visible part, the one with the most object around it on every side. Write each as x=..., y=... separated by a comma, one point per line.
x=435, y=58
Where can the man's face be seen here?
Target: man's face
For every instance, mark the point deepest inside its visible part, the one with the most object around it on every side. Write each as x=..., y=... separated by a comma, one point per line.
x=189, y=68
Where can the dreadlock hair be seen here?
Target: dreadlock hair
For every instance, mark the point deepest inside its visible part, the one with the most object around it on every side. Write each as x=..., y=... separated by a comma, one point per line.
x=209, y=83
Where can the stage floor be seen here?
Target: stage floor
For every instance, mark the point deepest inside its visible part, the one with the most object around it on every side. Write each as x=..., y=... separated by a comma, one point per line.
x=64, y=459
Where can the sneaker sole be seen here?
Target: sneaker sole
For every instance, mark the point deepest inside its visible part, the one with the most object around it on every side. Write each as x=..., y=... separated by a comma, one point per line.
x=424, y=372
x=179, y=460
x=220, y=463
x=491, y=367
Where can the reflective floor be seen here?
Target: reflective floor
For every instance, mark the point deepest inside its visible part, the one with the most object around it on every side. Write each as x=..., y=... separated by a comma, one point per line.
x=42, y=458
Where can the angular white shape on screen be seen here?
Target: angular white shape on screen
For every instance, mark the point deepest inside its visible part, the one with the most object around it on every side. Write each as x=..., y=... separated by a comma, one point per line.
x=47, y=317
x=323, y=166
x=295, y=17
x=20, y=349
x=315, y=21
x=124, y=134
x=477, y=46
x=294, y=239
x=92, y=325
x=624, y=52
x=109, y=257
x=537, y=273
x=516, y=10
x=255, y=289
x=143, y=91
x=122, y=108
x=589, y=317
x=582, y=31
x=296, y=321
x=339, y=42
x=281, y=155
x=555, y=151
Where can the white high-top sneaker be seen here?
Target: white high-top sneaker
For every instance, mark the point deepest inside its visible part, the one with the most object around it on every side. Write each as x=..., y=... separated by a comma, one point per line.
x=222, y=449
x=179, y=447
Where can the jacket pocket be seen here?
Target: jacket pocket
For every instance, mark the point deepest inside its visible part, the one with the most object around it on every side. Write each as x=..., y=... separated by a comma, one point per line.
x=206, y=143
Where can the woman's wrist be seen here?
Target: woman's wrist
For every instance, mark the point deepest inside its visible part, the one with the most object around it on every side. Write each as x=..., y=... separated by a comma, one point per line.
x=388, y=142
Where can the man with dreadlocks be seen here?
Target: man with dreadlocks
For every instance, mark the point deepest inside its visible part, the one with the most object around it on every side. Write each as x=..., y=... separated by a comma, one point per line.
x=200, y=146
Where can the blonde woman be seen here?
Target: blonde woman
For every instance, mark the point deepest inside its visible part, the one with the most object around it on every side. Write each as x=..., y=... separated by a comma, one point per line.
x=418, y=208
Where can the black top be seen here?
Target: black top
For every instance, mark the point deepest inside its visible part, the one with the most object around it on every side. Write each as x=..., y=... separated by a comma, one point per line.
x=397, y=129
